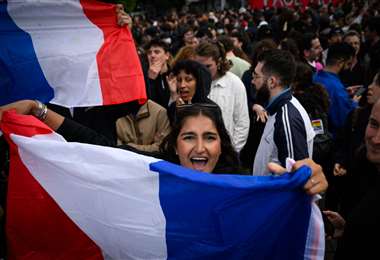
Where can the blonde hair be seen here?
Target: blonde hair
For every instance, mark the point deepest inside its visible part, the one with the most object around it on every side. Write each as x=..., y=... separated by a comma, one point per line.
x=185, y=53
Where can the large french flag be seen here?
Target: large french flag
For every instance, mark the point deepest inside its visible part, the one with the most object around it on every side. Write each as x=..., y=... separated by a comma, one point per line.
x=67, y=52
x=80, y=201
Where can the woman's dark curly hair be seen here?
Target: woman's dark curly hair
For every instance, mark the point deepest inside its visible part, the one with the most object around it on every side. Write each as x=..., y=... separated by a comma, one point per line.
x=228, y=161
x=217, y=52
x=203, y=81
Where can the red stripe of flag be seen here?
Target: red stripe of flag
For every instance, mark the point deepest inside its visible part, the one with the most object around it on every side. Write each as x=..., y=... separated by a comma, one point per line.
x=36, y=227
x=120, y=72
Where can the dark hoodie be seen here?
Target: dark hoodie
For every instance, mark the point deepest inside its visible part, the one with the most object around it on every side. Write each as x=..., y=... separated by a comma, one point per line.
x=203, y=86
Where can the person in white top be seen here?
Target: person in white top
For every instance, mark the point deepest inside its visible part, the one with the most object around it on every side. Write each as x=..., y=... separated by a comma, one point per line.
x=239, y=66
x=227, y=90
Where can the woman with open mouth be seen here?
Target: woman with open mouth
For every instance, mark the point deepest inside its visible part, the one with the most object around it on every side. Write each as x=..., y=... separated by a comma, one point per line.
x=199, y=140
x=189, y=83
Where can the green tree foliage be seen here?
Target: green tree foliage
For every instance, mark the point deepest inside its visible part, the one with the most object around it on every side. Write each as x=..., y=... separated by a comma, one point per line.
x=129, y=5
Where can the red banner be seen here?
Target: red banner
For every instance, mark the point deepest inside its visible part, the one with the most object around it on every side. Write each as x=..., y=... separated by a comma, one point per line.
x=260, y=4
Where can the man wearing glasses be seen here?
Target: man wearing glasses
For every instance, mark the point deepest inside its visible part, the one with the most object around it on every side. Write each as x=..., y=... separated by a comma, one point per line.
x=288, y=131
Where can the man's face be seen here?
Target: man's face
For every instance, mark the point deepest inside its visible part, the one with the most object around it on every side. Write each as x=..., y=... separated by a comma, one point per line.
x=315, y=51
x=372, y=135
x=258, y=78
x=157, y=54
x=354, y=41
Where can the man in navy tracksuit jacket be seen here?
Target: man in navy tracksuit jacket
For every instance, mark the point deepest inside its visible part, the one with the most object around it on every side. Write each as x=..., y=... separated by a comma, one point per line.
x=288, y=131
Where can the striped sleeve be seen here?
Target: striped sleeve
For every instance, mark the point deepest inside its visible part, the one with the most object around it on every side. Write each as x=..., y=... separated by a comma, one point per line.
x=290, y=134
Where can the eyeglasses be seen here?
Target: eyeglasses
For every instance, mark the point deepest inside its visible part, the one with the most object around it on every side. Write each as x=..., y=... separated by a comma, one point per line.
x=256, y=76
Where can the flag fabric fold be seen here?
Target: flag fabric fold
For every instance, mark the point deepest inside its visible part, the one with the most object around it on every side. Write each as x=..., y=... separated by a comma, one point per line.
x=70, y=53
x=80, y=201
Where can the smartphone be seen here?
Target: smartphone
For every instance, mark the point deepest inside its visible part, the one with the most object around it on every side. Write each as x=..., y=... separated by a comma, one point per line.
x=360, y=91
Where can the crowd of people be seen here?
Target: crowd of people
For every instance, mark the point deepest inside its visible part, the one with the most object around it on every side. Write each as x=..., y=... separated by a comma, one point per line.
x=233, y=91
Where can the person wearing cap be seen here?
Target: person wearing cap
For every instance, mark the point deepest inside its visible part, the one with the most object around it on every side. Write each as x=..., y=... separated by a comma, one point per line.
x=264, y=31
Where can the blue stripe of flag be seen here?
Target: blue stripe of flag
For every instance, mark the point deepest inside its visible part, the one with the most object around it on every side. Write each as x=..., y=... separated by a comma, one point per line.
x=233, y=217
x=21, y=76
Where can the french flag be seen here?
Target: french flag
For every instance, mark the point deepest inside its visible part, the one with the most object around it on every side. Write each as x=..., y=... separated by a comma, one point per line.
x=78, y=201
x=68, y=52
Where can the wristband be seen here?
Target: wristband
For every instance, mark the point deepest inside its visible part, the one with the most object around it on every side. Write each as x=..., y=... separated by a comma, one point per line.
x=41, y=111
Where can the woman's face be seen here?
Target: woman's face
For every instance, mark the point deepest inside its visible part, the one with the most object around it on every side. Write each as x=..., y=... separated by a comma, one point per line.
x=186, y=85
x=373, y=92
x=198, y=144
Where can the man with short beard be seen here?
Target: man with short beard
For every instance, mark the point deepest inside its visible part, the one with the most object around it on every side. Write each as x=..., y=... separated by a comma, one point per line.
x=339, y=58
x=288, y=131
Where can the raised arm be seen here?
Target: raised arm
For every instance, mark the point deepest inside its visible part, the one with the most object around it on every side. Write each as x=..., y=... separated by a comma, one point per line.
x=37, y=109
x=69, y=129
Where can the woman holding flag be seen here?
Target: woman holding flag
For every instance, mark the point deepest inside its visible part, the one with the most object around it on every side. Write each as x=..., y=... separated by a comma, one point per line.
x=153, y=200
x=198, y=141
